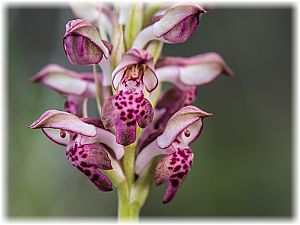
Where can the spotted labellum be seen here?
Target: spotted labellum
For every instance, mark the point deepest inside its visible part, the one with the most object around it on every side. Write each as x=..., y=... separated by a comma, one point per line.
x=143, y=131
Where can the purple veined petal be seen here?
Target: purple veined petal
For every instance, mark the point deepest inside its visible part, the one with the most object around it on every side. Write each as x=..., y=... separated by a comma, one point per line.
x=147, y=154
x=122, y=111
x=178, y=123
x=173, y=168
x=60, y=79
x=82, y=43
x=178, y=23
x=65, y=121
x=89, y=158
x=57, y=136
x=107, y=138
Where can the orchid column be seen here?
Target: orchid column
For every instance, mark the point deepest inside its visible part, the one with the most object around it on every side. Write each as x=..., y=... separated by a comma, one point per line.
x=138, y=122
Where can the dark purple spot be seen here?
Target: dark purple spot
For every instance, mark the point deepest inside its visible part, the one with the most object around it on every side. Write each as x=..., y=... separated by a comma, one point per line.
x=143, y=103
x=116, y=104
x=81, y=152
x=122, y=113
x=76, y=158
x=95, y=177
x=86, y=172
x=123, y=118
x=136, y=111
x=185, y=166
x=142, y=113
x=180, y=175
x=177, y=168
x=120, y=107
x=84, y=155
x=174, y=182
x=130, y=97
x=129, y=116
x=83, y=164
x=183, y=161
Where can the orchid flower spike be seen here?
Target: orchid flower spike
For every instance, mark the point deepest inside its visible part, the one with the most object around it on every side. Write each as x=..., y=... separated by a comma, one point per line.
x=193, y=71
x=139, y=117
x=85, y=144
x=183, y=128
x=176, y=26
x=82, y=43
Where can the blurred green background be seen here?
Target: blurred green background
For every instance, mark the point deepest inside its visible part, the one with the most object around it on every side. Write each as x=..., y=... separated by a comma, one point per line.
x=243, y=159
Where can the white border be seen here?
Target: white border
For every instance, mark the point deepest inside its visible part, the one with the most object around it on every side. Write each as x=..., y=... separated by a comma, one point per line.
x=246, y=220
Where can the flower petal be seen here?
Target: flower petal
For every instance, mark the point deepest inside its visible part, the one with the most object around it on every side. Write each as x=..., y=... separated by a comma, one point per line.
x=197, y=70
x=181, y=120
x=122, y=111
x=89, y=158
x=60, y=79
x=57, y=136
x=65, y=121
x=150, y=80
x=147, y=154
x=173, y=168
x=105, y=137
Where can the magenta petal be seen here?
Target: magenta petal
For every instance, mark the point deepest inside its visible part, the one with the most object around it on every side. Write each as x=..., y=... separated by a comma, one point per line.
x=82, y=43
x=173, y=168
x=183, y=30
x=89, y=158
x=122, y=111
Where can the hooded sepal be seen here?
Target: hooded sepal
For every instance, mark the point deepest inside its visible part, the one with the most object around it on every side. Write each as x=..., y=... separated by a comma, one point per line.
x=186, y=123
x=58, y=125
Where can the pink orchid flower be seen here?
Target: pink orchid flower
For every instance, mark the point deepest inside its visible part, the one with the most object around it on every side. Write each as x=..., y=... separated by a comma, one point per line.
x=85, y=143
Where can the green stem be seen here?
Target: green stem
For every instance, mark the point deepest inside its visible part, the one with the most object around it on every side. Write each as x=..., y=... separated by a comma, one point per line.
x=123, y=203
x=98, y=93
x=128, y=161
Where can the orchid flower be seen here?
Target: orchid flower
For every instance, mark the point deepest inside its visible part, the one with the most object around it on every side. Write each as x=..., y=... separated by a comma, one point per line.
x=75, y=86
x=84, y=142
x=139, y=120
x=176, y=26
x=193, y=71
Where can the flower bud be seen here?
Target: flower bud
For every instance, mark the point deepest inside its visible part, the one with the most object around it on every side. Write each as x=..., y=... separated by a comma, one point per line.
x=82, y=43
x=178, y=23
